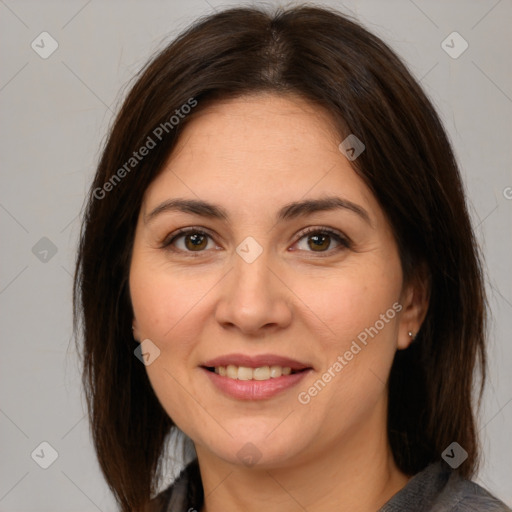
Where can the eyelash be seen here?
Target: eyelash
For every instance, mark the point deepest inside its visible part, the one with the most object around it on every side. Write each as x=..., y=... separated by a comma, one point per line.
x=344, y=241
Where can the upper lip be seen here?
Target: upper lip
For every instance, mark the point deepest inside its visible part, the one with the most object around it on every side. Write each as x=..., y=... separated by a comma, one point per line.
x=255, y=361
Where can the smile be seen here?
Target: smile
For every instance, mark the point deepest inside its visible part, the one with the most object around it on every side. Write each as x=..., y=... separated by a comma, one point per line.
x=254, y=378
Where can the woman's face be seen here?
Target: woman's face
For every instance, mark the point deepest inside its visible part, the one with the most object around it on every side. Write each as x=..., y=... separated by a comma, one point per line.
x=267, y=282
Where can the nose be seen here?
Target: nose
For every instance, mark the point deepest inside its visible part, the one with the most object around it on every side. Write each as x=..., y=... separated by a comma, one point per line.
x=255, y=300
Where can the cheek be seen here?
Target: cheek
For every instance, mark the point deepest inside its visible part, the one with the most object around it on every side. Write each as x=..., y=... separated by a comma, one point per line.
x=358, y=313
x=349, y=301
x=167, y=309
x=165, y=302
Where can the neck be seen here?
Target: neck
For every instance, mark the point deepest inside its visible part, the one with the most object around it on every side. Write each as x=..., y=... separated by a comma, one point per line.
x=356, y=474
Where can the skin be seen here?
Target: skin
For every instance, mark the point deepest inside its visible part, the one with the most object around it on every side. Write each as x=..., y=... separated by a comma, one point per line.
x=252, y=156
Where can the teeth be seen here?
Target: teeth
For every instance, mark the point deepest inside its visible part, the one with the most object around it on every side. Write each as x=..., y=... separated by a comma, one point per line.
x=232, y=371
x=262, y=373
x=245, y=373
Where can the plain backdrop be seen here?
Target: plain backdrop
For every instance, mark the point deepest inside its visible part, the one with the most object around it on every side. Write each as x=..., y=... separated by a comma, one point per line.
x=55, y=113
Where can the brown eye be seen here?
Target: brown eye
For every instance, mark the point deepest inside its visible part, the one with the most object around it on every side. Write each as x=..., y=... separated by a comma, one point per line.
x=320, y=240
x=188, y=240
x=195, y=241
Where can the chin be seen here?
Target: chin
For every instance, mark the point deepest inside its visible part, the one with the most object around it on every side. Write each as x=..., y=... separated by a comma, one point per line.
x=254, y=444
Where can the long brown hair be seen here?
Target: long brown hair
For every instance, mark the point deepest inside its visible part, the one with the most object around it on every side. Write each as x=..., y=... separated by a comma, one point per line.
x=408, y=164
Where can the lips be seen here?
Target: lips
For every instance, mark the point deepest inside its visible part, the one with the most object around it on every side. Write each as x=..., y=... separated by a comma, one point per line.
x=254, y=377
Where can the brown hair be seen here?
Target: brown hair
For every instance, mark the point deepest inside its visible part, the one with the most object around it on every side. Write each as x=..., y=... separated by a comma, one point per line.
x=408, y=164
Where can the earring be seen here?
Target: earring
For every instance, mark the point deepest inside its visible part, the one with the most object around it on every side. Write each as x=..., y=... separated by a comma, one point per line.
x=411, y=334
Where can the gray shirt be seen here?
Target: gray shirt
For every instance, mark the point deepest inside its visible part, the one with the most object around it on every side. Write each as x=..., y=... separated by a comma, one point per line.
x=435, y=489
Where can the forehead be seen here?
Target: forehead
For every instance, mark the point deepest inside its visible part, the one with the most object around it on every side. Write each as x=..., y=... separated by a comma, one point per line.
x=258, y=152
x=264, y=124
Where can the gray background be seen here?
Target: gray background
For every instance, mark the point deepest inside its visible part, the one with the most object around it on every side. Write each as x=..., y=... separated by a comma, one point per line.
x=55, y=115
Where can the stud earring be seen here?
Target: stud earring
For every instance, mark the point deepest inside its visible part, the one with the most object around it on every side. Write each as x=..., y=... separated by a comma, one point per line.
x=411, y=334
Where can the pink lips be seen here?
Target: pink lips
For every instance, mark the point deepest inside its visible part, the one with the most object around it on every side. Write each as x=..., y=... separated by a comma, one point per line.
x=255, y=389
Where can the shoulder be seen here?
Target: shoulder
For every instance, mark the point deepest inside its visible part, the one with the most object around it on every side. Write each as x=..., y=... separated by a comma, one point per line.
x=467, y=496
x=440, y=489
x=183, y=495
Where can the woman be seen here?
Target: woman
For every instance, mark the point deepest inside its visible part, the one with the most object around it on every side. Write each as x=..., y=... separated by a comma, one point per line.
x=277, y=261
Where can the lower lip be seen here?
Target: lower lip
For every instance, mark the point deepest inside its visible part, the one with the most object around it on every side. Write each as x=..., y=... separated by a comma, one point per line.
x=255, y=389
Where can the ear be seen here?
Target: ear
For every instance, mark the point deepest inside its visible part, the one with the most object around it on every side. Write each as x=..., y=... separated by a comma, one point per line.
x=415, y=301
x=135, y=329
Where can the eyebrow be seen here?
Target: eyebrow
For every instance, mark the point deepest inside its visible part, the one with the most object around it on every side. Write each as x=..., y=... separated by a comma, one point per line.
x=290, y=211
